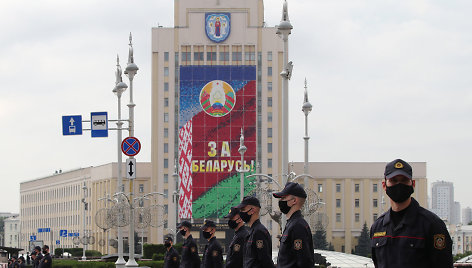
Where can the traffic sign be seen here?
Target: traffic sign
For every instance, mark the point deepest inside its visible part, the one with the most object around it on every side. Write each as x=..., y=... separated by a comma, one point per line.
x=63, y=233
x=131, y=168
x=130, y=146
x=44, y=230
x=99, y=124
x=58, y=242
x=32, y=238
x=71, y=125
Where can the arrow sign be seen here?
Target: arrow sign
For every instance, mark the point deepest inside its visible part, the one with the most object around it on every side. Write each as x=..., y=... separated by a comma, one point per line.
x=71, y=125
x=131, y=168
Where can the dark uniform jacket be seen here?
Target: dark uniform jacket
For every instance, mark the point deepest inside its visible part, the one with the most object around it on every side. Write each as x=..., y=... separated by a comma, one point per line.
x=46, y=261
x=296, y=244
x=419, y=240
x=213, y=255
x=234, y=258
x=190, y=258
x=172, y=259
x=37, y=260
x=258, y=248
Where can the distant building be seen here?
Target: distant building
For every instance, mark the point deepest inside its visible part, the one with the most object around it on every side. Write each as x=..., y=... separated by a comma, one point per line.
x=456, y=213
x=466, y=215
x=461, y=236
x=443, y=200
x=12, y=232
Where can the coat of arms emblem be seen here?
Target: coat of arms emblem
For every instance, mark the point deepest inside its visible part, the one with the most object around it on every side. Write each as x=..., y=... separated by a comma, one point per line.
x=217, y=26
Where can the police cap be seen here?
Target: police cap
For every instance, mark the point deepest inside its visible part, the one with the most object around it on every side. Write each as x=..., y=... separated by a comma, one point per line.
x=232, y=212
x=291, y=188
x=249, y=200
x=186, y=224
x=208, y=224
x=398, y=167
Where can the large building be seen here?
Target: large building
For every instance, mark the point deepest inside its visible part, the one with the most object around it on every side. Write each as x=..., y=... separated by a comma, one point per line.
x=466, y=216
x=54, y=203
x=442, y=196
x=352, y=194
x=461, y=236
x=12, y=230
x=215, y=74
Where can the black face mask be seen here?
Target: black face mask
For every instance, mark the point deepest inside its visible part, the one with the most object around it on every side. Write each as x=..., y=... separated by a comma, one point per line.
x=232, y=224
x=284, y=208
x=206, y=235
x=183, y=232
x=45, y=252
x=399, y=192
x=167, y=244
x=245, y=216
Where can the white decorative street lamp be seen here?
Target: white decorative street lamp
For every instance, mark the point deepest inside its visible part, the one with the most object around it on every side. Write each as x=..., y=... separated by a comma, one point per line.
x=120, y=87
x=306, y=108
x=242, y=149
x=284, y=29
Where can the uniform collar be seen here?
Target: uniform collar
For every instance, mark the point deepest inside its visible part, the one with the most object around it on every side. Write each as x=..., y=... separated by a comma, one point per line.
x=212, y=239
x=409, y=217
x=189, y=238
x=254, y=224
x=296, y=214
x=242, y=228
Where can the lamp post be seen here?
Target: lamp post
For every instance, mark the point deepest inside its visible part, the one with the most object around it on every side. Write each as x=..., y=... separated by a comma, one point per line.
x=120, y=87
x=284, y=29
x=131, y=70
x=175, y=194
x=84, y=221
x=242, y=149
x=306, y=108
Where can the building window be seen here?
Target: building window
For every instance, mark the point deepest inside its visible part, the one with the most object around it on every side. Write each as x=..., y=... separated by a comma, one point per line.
x=269, y=86
x=374, y=187
x=356, y=203
x=338, y=203
x=269, y=147
x=356, y=217
x=249, y=56
x=356, y=187
x=269, y=56
x=237, y=55
x=186, y=55
x=166, y=102
x=338, y=188
x=166, y=56
x=166, y=133
x=269, y=132
x=166, y=178
x=166, y=117
x=166, y=86
x=141, y=203
x=166, y=163
x=320, y=188
x=269, y=71
x=166, y=71
x=224, y=54
x=198, y=56
x=338, y=217
x=269, y=163
x=269, y=101
x=166, y=192
x=141, y=188
x=166, y=147
x=375, y=216
x=269, y=117
x=375, y=203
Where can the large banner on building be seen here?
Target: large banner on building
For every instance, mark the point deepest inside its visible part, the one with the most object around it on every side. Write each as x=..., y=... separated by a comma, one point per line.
x=216, y=102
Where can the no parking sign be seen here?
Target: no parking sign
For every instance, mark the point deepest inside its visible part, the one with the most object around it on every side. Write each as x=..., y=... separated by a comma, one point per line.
x=130, y=146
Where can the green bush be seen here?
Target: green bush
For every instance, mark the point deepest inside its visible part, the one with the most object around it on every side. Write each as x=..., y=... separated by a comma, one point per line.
x=93, y=253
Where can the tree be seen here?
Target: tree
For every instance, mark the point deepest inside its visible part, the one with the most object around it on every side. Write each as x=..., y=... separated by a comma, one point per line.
x=363, y=245
x=319, y=238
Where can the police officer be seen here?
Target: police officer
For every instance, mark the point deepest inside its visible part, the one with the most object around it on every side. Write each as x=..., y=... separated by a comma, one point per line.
x=46, y=261
x=408, y=235
x=171, y=259
x=296, y=243
x=234, y=258
x=38, y=257
x=190, y=258
x=213, y=254
x=258, y=248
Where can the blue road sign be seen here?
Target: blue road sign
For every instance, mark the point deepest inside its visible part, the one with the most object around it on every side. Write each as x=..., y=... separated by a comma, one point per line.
x=63, y=233
x=130, y=146
x=44, y=230
x=32, y=238
x=71, y=125
x=99, y=124
x=58, y=242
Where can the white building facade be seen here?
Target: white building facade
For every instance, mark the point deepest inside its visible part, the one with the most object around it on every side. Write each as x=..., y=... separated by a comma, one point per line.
x=442, y=200
x=12, y=230
x=466, y=215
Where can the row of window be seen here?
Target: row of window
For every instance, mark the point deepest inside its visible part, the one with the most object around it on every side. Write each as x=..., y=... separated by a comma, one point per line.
x=52, y=194
x=356, y=217
x=375, y=203
x=224, y=53
x=356, y=188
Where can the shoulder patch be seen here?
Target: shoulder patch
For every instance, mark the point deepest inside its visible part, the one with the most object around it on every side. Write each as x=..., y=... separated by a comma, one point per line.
x=236, y=247
x=259, y=244
x=297, y=244
x=193, y=249
x=174, y=258
x=439, y=241
x=215, y=253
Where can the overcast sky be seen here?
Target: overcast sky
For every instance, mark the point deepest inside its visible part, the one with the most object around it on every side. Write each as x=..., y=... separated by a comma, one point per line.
x=387, y=79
